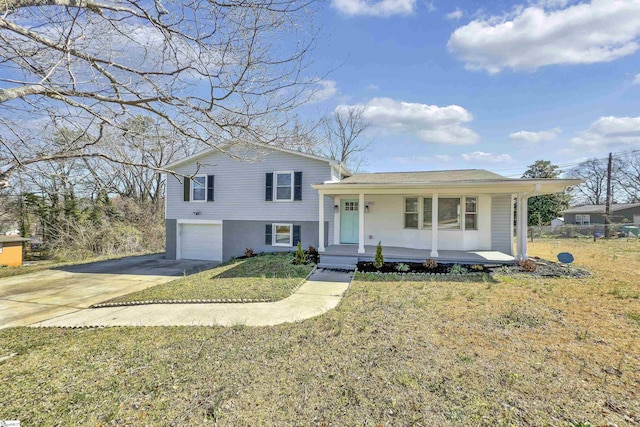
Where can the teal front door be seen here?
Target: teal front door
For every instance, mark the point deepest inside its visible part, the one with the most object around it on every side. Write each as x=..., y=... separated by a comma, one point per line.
x=349, y=221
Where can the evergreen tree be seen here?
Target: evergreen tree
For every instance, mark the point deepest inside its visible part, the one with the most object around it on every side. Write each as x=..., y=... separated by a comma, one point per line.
x=542, y=209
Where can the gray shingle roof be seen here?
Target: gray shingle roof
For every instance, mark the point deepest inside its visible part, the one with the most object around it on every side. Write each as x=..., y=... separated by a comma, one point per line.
x=600, y=208
x=428, y=177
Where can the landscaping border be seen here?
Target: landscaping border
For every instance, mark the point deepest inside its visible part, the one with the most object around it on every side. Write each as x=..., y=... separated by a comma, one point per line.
x=200, y=301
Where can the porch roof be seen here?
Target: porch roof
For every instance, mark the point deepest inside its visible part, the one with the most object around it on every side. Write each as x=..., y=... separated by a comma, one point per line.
x=478, y=180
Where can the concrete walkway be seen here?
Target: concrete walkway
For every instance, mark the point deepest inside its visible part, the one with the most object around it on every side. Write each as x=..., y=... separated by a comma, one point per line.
x=321, y=293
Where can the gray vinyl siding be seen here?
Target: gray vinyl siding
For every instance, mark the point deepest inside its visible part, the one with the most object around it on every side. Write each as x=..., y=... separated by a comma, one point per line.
x=501, y=217
x=240, y=188
x=240, y=235
x=170, y=249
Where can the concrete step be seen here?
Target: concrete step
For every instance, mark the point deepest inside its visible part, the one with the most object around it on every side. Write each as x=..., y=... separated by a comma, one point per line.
x=337, y=259
x=334, y=266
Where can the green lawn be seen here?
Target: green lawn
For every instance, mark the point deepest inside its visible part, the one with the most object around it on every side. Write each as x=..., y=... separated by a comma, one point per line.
x=519, y=351
x=272, y=277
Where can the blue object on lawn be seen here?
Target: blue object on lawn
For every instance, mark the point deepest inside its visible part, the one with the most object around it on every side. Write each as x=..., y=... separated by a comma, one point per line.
x=598, y=234
x=565, y=257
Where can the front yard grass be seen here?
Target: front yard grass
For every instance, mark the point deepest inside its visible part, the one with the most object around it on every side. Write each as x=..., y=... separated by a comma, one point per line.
x=517, y=351
x=270, y=276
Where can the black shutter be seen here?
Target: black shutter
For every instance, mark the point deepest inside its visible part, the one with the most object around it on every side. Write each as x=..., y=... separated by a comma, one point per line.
x=187, y=189
x=268, y=189
x=268, y=230
x=297, y=186
x=209, y=188
x=296, y=235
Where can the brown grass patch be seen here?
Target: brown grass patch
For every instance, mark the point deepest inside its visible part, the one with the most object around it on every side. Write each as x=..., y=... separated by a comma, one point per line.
x=522, y=351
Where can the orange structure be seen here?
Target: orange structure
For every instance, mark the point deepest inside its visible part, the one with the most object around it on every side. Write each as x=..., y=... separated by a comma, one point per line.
x=11, y=250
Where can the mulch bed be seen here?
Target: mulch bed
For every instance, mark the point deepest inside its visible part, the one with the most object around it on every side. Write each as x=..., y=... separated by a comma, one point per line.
x=545, y=268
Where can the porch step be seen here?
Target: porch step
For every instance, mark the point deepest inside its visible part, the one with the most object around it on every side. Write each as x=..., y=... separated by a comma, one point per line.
x=348, y=267
x=338, y=259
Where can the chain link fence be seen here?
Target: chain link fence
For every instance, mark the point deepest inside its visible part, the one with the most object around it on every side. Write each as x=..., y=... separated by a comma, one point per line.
x=594, y=231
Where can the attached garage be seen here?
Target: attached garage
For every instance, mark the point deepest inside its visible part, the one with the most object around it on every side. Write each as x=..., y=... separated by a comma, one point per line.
x=200, y=240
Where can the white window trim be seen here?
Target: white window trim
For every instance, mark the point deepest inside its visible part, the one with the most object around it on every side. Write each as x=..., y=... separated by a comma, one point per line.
x=404, y=212
x=463, y=212
x=273, y=235
x=275, y=186
x=192, y=188
x=586, y=219
x=578, y=220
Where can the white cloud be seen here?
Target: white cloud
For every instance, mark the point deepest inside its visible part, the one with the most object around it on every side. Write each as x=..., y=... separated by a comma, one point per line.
x=636, y=79
x=325, y=89
x=372, y=86
x=431, y=123
x=610, y=131
x=455, y=15
x=533, y=37
x=419, y=160
x=535, y=137
x=481, y=156
x=374, y=8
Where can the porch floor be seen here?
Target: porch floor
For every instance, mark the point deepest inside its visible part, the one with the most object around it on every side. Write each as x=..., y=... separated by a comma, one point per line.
x=396, y=254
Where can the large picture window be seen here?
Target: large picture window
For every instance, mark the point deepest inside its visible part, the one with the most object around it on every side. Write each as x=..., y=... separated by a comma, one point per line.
x=449, y=213
x=284, y=186
x=199, y=188
x=282, y=235
x=411, y=212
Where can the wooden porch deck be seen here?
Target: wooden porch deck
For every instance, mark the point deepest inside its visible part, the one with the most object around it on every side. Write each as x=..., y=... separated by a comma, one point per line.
x=397, y=254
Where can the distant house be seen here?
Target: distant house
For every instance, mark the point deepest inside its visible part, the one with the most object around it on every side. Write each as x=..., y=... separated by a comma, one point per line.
x=11, y=250
x=594, y=214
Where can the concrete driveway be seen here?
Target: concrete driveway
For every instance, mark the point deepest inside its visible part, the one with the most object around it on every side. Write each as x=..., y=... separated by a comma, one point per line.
x=47, y=294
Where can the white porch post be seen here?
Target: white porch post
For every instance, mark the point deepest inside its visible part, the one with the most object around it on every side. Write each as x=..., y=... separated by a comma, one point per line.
x=521, y=227
x=525, y=228
x=321, y=222
x=361, y=223
x=434, y=225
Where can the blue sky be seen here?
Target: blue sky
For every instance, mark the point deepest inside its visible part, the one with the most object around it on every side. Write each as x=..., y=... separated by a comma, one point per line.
x=494, y=85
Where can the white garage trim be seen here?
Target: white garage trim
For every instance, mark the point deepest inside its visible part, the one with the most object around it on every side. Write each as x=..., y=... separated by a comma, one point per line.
x=181, y=222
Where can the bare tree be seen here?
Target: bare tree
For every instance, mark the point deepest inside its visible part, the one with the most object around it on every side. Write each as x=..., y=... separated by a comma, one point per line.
x=628, y=178
x=213, y=71
x=594, y=174
x=342, y=131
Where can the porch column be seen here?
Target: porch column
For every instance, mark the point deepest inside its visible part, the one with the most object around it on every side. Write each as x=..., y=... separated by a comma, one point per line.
x=321, y=222
x=434, y=225
x=525, y=227
x=521, y=228
x=361, y=223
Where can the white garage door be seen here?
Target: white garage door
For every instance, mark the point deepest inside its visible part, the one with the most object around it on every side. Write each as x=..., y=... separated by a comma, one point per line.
x=201, y=241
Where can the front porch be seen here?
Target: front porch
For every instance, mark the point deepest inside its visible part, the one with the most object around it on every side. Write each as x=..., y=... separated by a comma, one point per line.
x=348, y=254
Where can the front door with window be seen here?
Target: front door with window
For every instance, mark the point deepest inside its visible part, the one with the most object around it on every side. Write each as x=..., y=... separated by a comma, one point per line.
x=349, y=221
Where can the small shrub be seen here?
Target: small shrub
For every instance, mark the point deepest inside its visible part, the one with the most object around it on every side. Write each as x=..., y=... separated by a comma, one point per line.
x=477, y=267
x=378, y=261
x=457, y=269
x=430, y=263
x=248, y=252
x=402, y=267
x=312, y=254
x=528, y=265
x=300, y=256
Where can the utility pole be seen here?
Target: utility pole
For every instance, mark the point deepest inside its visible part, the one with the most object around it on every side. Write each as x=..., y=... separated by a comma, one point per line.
x=607, y=206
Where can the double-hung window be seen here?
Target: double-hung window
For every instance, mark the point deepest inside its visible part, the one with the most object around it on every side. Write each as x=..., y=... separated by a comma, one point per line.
x=199, y=188
x=578, y=220
x=411, y=212
x=284, y=186
x=470, y=213
x=586, y=219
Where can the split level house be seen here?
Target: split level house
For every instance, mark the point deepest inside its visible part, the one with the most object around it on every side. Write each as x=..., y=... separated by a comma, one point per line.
x=268, y=199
